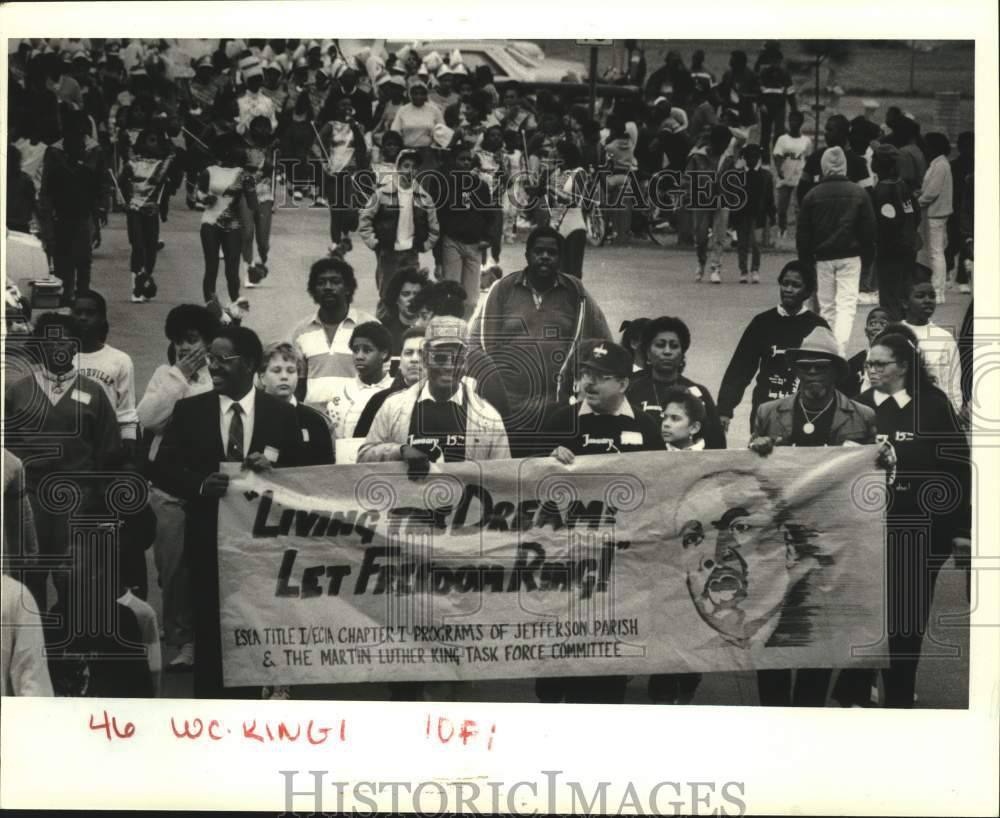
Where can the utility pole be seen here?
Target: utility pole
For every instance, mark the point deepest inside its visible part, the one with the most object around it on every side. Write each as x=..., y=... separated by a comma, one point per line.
x=818, y=106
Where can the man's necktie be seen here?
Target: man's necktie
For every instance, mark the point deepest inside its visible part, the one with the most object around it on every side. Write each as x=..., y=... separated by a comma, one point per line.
x=234, y=449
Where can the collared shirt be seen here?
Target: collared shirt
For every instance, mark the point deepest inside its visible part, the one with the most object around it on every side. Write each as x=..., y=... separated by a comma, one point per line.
x=247, y=403
x=786, y=314
x=329, y=364
x=697, y=446
x=345, y=408
x=902, y=397
x=536, y=296
x=625, y=409
x=54, y=386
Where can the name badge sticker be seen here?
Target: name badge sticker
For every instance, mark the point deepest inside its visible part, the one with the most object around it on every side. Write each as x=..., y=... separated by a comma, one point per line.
x=631, y=438
x=271, y=454
x=305, y=435
x=80, y=397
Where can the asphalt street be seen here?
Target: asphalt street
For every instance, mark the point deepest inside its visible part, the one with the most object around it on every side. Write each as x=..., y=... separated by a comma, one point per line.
x=629, y=281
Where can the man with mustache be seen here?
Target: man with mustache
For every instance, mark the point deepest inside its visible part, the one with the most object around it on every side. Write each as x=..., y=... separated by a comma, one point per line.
x=324, y=339
x=603, y=422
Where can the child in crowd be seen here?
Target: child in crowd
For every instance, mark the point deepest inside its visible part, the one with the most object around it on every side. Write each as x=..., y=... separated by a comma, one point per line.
x=937, y=345
x=296, y=141
x=897, y=220
x=680, y=427
x=494, y=169
x=755, y=212
x=385, y=164
x=280, y=370
x=857, y=381
x=683, y=417
x=632, y=341
x=514, y=196
x=110, y=367
x=261, y=152
x=711, y=157
x=220, y=186
x=790, y=152
x=142, y=181
x=371, y=345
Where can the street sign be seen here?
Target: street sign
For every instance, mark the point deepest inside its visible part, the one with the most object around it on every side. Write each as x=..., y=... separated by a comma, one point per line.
x=595, y=43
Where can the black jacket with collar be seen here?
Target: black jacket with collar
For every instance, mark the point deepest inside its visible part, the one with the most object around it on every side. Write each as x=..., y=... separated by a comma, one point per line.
x=191, y=450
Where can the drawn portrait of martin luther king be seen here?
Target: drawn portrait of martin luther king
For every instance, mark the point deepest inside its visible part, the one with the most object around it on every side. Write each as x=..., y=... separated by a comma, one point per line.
x=744, y=558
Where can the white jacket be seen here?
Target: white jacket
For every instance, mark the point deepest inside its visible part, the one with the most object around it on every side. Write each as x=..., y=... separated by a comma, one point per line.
x=485, y=436
x=936, y=194
x=167, y=386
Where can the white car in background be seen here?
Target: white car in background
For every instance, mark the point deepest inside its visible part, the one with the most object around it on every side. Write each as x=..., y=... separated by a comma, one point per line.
x=507, y=59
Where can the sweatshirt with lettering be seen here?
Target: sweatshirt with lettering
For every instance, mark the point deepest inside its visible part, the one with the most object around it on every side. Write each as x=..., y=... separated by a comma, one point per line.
x=761, y=352
x=114, y=371
x=583, y=431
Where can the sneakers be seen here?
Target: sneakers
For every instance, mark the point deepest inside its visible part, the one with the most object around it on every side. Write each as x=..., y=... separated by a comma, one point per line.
x=238, y=310
x=744, y=279
x=183, y=662
x=137, y=296
x=755, y=277
x=868, y=299
x=256, y=273
x=965, y=289
x=214, y=307
x=699, y=274
x=715, y=278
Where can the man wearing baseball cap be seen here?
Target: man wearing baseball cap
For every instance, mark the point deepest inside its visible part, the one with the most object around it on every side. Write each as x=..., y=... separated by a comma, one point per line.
x=603, y=421
x=440, y=418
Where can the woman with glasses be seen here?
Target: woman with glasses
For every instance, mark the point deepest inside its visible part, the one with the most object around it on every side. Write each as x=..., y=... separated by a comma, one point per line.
x=929, y=509
x=665, y=342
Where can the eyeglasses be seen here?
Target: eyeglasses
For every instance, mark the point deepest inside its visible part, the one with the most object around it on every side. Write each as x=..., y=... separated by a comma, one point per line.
x=597, y=377
x=443, y=358
x=219, y=359
x=878, y=366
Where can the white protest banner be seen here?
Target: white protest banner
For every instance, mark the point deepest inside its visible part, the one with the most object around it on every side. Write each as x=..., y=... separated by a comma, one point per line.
x=643, y=563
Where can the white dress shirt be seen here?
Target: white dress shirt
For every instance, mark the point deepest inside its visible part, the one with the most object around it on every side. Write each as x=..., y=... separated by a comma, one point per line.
x=247, y=403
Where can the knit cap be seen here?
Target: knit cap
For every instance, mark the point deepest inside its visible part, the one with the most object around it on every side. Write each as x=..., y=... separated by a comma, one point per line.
x=833, y=162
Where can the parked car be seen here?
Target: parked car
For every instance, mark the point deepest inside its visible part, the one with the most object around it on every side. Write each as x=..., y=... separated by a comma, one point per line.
x=520, y=61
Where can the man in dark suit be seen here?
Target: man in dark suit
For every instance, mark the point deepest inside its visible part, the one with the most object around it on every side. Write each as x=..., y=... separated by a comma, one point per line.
x=232, y=423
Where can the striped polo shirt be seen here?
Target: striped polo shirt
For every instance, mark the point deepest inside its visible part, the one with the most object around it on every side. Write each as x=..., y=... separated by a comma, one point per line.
x=328, y=365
